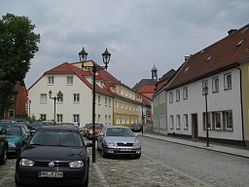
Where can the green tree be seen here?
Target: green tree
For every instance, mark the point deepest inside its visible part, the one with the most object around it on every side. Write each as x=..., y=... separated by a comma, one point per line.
x=18, y=44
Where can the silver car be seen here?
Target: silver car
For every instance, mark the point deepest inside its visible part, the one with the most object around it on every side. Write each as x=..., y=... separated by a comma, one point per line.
x=118, y=140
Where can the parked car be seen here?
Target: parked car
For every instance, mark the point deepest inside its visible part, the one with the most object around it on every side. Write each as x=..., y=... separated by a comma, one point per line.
x=16, y=136
x=98, y=129
x=118, y=140
x=34, y=126
x=3, y=146
x=136, y=127
x=54, y=155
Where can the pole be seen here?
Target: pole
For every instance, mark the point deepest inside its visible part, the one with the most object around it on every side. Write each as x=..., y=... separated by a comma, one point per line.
x=142, y=119
x=207, y=121
x=93, y=115
x=54, y=109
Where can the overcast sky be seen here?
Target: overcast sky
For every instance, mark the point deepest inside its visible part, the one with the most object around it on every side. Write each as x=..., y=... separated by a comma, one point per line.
x=138, y=33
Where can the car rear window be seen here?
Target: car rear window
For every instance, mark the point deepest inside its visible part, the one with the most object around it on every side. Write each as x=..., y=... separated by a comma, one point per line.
x=119, y=132
x=57, y=137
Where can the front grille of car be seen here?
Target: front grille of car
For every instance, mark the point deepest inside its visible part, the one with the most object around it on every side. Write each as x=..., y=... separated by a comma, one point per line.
x=57, y=164
x=125, y=144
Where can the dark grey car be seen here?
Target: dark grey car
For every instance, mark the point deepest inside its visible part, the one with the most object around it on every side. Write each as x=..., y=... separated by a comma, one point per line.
x=118, y=140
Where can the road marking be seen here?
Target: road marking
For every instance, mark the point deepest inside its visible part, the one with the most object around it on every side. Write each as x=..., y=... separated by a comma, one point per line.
x=101, y=176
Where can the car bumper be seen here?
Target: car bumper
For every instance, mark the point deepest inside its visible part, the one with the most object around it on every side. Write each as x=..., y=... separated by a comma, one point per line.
x=122, y=151
x=30, y=176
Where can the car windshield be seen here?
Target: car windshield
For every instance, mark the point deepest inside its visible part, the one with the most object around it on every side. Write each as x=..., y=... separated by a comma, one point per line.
x=119, y=132
x=56, y=137
x=13, y=131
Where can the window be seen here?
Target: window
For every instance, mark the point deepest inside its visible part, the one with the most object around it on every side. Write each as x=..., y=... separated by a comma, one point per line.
x=43, y=117
x=117, y=120
x=110, y=103
x=116, y=103
x=60, y=99
x=170, y=97
x=228, y=119
x=171, y=121
x=228, y=81
x=99, y=117
x=76, y=118
x=59, y=118
x=185, y=93
x=177, y=95
x=105, y=101
x=43, y=98
x=185, y=121
x=204, y=84
x=76, y=98
x=109, y=119
x=106, y=119
x=69, y=80
x=178, y=122
x=50, y=80
x=215, y=85
x=217, y=120
x=11, y=114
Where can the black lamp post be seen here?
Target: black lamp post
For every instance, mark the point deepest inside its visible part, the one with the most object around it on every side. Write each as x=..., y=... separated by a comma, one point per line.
x=94, y=68
x=59, y=96
x=29, y=107
x=205, y=93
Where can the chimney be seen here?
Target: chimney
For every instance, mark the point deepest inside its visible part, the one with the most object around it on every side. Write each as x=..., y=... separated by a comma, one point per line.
x=187, y=57
x=231, y=31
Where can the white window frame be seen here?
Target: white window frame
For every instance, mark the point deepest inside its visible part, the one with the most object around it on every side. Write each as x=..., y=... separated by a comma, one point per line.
x=226, y=120
x=59, y=118
x=171, y=121
x=70, y=80
x=185, y=93
x=217, y=120
x=43, y=98
x=178, y=122
x=215, y=84
x=178, y=95
x=185, y=121
x=76, y=98
x=171, y=97
x=50, y=80
x=227, y=82
x=76, y=118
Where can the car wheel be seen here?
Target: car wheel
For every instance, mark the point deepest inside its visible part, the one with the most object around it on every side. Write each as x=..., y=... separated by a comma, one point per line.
x=18, y=184
x=138, y=156
x=85, y=184
x=4, y=156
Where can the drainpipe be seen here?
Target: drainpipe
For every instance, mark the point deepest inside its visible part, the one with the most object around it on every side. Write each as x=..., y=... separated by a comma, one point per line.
x=242, y=110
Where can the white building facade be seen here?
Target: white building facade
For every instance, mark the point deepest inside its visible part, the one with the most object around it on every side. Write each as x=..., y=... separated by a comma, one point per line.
x=186, y=107
x=76, y=104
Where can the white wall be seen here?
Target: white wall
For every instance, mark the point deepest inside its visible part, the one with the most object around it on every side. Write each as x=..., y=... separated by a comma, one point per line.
x=223, y=100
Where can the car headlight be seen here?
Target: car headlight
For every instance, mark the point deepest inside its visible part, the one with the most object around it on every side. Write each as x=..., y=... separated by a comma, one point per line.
x=26, y=162
x=111, y=144
x=137, y=145
x=12, y=145
x=76, y=164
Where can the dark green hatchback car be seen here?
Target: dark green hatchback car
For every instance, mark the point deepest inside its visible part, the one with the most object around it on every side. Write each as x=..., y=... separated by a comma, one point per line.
x=16, y=136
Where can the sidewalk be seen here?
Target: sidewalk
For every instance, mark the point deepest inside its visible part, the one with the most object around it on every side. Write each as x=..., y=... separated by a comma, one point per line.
x=212, y=147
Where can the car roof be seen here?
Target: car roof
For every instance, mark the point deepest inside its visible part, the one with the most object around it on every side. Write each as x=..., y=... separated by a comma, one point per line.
x=61, y=127
x=111, y=126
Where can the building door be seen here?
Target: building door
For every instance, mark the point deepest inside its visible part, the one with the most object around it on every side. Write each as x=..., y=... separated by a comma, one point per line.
x=194, y=126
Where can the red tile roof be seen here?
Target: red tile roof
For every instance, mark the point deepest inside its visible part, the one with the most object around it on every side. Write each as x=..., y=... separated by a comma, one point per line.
x=223, y=54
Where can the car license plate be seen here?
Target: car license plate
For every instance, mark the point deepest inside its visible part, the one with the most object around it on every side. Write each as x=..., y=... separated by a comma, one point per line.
x=125, y=149
x=51, y=174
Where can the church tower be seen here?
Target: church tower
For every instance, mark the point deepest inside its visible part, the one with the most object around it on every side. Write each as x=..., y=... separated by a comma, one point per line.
x=154, y=73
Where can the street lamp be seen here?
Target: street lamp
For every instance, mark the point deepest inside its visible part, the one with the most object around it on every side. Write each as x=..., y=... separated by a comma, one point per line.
x=58, y=97
x=205, y=93
x=29, y=107
x=94, y=68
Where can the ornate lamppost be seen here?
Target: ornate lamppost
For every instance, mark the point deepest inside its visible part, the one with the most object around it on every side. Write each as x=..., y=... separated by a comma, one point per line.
x=205, y=93
x=94, y=68
x=58, y=97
